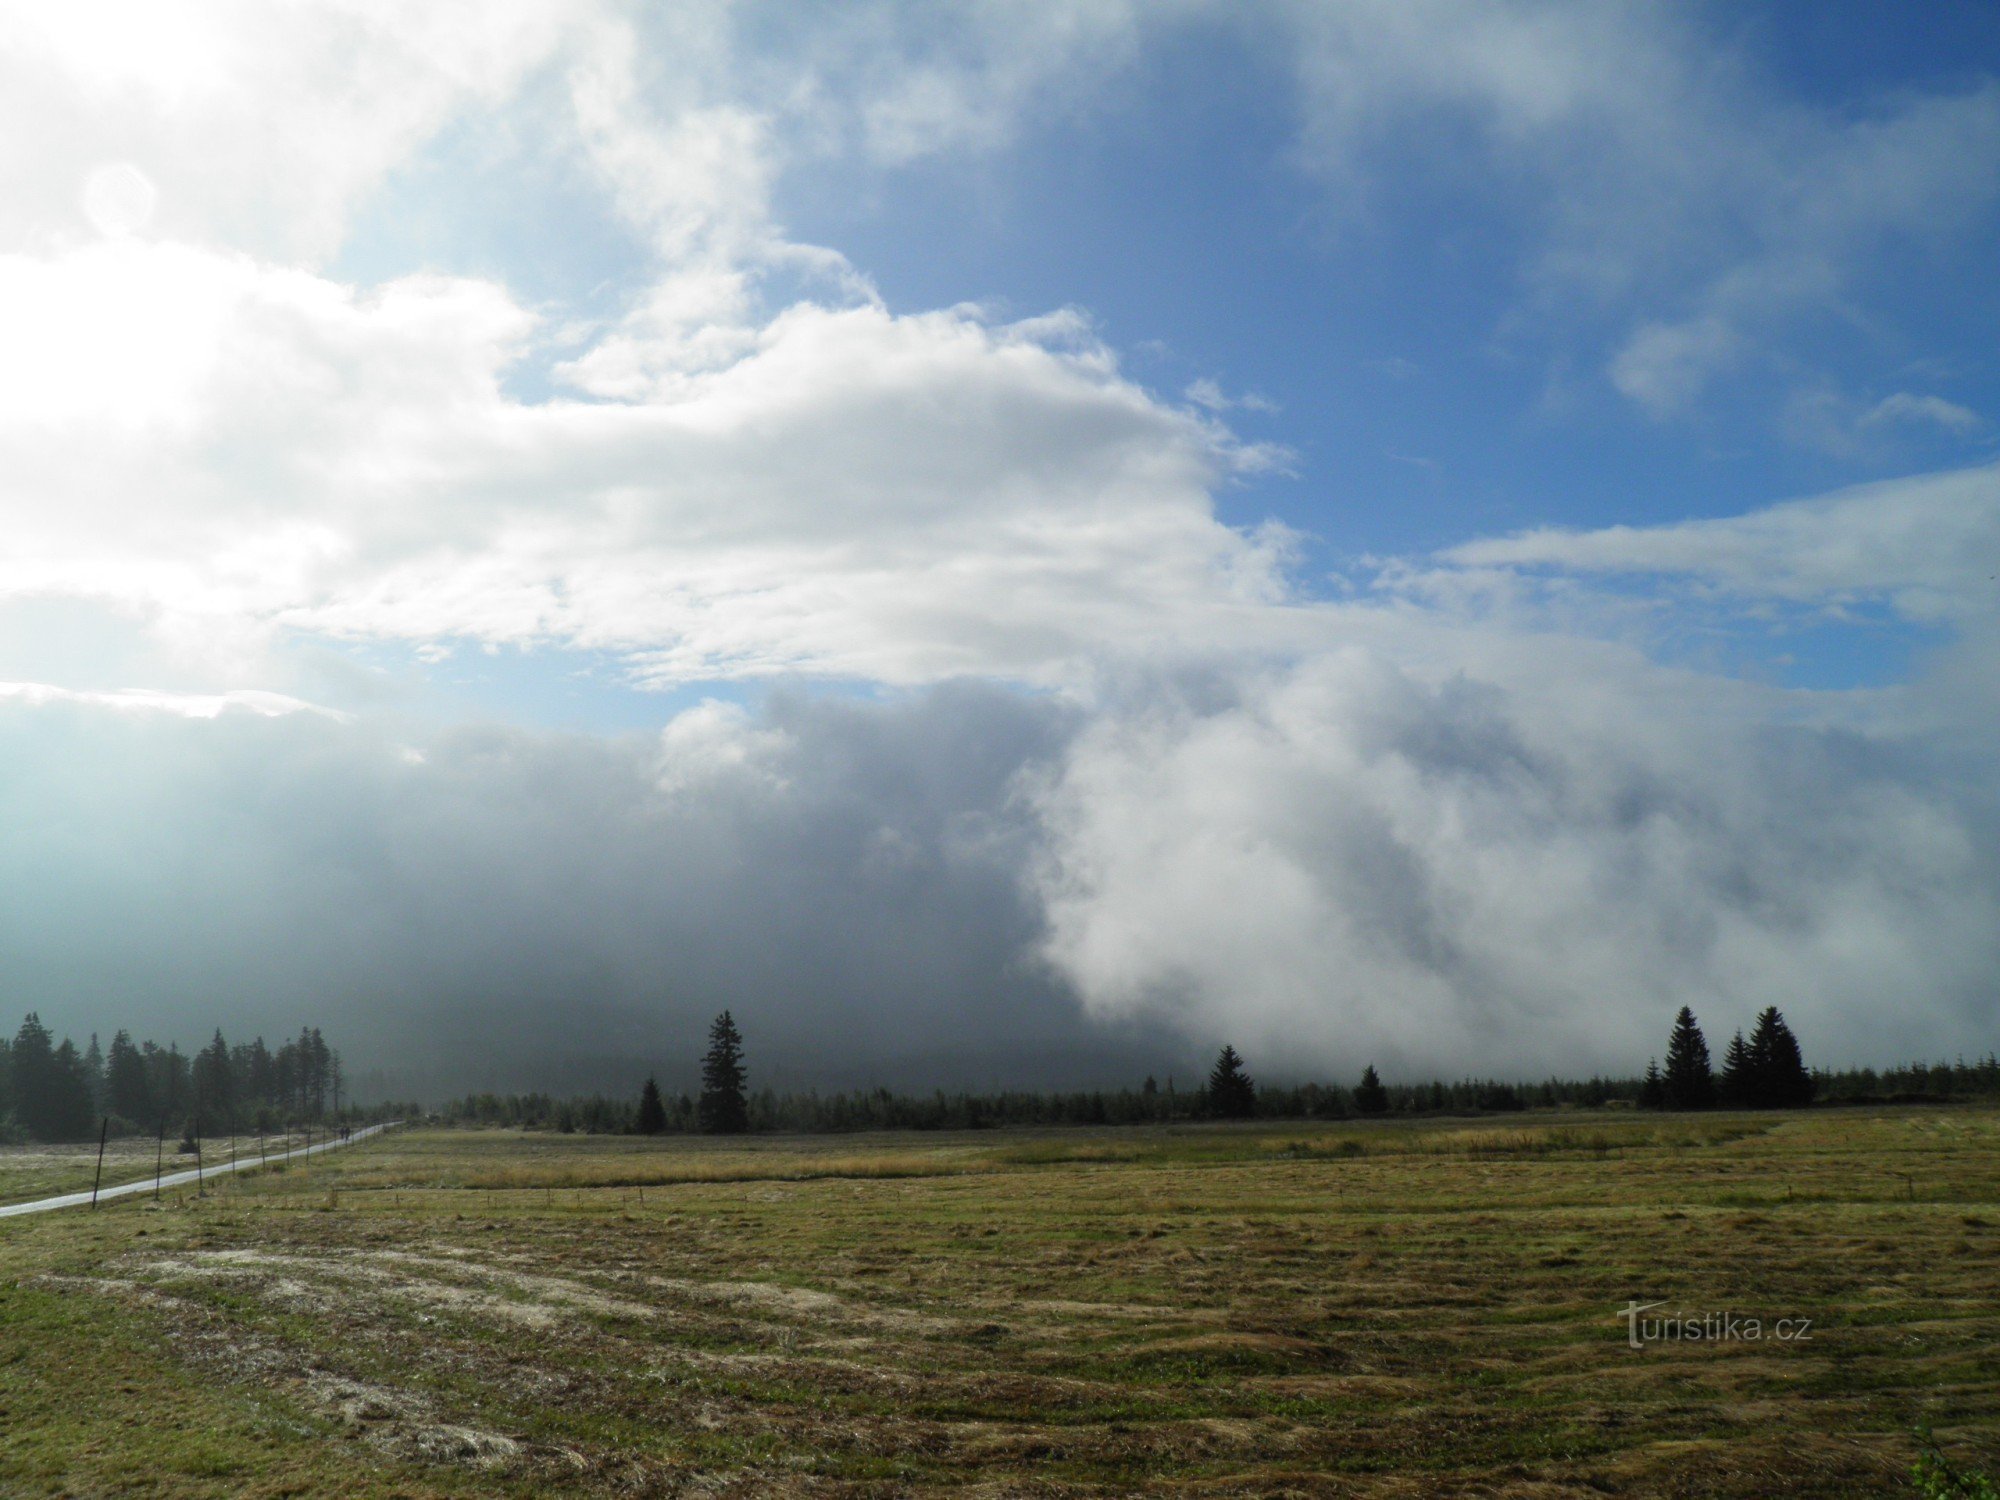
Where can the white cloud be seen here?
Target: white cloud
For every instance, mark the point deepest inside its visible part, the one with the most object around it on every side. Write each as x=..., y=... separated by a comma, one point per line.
x=153, y=700
x=259, y=127
x=228, y=445
x=1520, y=865
x=227, y=442
x=1210, y=396
x=1666, y=366
x=118, y=199
x=717, y=742
x=692, y=172
x=1822, y=415
x=1906, y=408
x=900, y=83
x=1928, y=547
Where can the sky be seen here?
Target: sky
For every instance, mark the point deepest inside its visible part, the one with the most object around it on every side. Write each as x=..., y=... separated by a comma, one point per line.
x=1005, y=544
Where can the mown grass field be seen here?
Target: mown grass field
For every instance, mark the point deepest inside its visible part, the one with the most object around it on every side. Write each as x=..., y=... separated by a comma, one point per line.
x=1383, y=1310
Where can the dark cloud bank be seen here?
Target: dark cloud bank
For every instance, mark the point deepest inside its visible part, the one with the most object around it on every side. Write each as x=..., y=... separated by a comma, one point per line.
x=505, y=908
x=983, y=887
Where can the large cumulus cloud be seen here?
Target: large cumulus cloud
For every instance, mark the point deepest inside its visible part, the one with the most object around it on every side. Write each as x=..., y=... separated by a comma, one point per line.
x=1525, y=863
x=237, y=450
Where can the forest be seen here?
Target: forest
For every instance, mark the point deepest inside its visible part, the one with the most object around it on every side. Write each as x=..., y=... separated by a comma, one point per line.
x=52, y=1091
x=1765, y=1071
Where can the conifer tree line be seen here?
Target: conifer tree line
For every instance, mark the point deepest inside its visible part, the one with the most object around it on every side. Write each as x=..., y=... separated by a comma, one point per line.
x=1766, y=1070
x=50, y=1091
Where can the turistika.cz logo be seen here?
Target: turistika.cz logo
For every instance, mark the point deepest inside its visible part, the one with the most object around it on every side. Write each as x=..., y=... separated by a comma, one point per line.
x=1706, y=1328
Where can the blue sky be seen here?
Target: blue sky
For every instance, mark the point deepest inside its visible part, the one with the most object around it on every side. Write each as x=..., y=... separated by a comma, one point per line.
x=1458, y=510
x=1424, y=403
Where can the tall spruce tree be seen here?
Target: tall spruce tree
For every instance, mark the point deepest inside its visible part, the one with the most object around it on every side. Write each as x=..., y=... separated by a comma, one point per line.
x=257, y=1074
x=1231, y=1094
x=1689, y=1082
x=1370, y=1098
x=127, y=1092
x=317, y=1062
x=93, y=1072
x=652, y=1110
x=166, y=1078
x=73, y=1112
x=1778, y=1078
x=34, y=1069
x=722, y=1109
x=214, y=1085
x=52, y=1098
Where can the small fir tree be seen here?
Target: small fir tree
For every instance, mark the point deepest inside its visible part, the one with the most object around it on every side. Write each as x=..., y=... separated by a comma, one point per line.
x=1370, y=1098
x=652, y=1110
x=1231, y=1094
x=1732, y=1085
x=1653, y=1092
x=722, y=1108
x=1689, y=1082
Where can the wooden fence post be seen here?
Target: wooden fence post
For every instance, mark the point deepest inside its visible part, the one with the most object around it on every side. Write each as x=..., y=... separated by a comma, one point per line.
x=103, y=1134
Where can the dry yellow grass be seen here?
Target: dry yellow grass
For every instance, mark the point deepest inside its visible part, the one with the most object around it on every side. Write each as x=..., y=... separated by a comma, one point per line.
x=1227, y=1311
x=613, y=1172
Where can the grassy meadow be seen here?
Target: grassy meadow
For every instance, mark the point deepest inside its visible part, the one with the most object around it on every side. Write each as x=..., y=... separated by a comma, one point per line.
x=1395, y=1309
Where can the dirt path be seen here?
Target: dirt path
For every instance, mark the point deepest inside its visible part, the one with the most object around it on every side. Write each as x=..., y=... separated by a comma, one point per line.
x=177, y=1179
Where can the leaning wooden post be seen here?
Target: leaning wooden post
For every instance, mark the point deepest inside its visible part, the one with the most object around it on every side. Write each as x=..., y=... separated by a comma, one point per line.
x=197, y=1157
x=103, y=1134
x=159, y=1158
